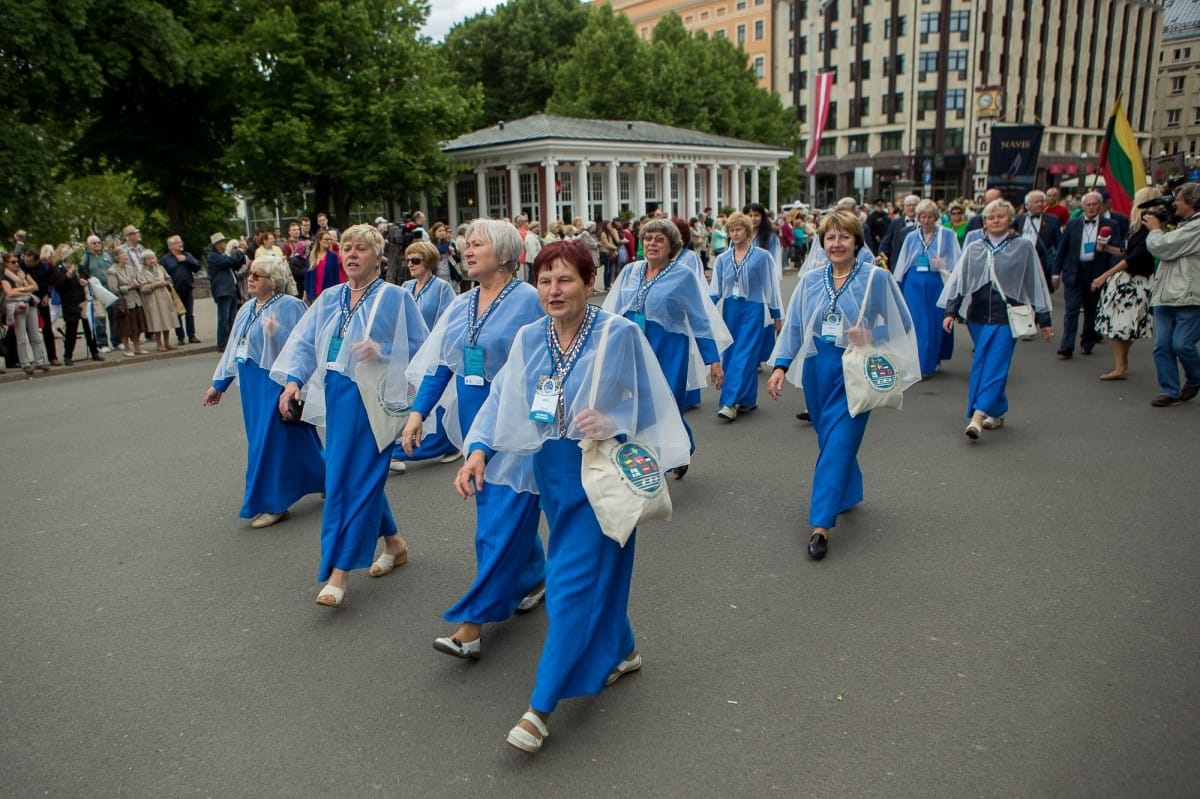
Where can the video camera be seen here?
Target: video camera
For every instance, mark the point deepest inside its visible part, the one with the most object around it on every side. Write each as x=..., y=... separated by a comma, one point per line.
x=1163, y=208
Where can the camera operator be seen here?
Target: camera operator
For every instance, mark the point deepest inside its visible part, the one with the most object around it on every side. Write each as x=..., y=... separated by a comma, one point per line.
x=1175, y=297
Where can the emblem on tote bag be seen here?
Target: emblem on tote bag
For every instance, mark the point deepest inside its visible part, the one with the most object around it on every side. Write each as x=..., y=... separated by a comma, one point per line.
x=880, y=372
x=639, y=467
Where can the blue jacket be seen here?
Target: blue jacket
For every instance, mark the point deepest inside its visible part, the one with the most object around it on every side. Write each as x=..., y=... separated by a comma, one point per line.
x=222, y=271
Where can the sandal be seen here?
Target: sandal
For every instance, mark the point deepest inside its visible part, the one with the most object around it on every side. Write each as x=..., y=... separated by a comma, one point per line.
x=523, y=739
x=331, y=596
x=384, y=564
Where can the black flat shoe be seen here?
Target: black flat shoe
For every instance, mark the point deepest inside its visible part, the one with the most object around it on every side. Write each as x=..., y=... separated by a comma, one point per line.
x=1065, y=354
x=803, y=416
x=680, y=471
x=818, y=546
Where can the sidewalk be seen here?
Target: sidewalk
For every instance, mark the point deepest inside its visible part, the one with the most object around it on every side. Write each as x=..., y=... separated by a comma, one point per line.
x=206, y=331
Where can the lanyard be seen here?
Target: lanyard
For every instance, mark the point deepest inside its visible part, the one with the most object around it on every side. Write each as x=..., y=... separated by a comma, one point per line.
x=417, y=292
x=739, y=268
x=475, y=325
x=834, y=296
x=934, y=239
x=256, y=312
x=347, y=311
x=564, y=362
x=644, y=287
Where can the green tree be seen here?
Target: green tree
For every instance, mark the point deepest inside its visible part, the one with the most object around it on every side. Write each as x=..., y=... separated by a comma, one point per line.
x=604, y=78
x=345, y=96
x=514, y=53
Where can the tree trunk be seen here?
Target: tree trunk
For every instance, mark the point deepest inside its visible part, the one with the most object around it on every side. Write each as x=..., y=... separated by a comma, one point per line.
x=173, y=205
x=321, y=199
x=342, y=197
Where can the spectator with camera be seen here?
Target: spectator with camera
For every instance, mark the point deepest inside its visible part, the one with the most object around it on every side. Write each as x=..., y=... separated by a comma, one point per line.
x=1175, y=296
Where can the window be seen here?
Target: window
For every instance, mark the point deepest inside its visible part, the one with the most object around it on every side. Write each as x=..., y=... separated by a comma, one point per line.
x=1177, y=85
x=497, y=201
x=831, y=123
x=792, y=47
x=866, y=33
x=719, y=33
x=741, y=34
x=623, y=186
x=803, y=79
x=864, y=106
x=953, y=140
x=959, y=22
x=688, y=19
x=703, y=15
x=864, y=69
x=565, y=185
x=529, y=189
x=887, y=28
x=828, y=146
x=1196, y=120
x=596, y=187
x=651, y=185
x=760, y=67
x=857, y=144
x=926, y=101
x=741, y=5
x=925, y=139
x=1173, y=117
x=893, y=67
x=898, y=102
x=927, y=61
x=956, y=101
x=821, y=42
x=930, y=22
x=803, y=45
x=760, y=29
x=956, y=61
x=892, y=140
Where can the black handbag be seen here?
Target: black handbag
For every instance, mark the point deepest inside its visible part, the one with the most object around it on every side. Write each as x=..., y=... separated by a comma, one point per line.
x=296, y=411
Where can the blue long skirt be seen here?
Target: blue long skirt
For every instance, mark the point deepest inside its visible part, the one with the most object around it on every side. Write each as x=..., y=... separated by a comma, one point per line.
x=672, y=351
x=283, y=461
x=356, y=508
x=745, y=322
x=509, y=558
x=587, y=586
x=921, y=291
x=837, y=480
x=994, y=346
x=434, y=445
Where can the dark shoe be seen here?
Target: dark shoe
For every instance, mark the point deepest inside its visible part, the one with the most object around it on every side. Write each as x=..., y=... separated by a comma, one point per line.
x=68, y=362
x=818, y=546
x=803, y=416
x=194, y=341
x=54, y=362
x=97, y=357
x=180, y=343
x=46, y=368
x=680, y=471
x=1064, y=355
x=1087, y=350
x=1163, y=401
x=1188, y=393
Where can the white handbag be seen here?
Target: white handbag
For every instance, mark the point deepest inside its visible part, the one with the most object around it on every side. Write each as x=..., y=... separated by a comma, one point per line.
x=1020, y=317
x=871, y=373
x=624, y=481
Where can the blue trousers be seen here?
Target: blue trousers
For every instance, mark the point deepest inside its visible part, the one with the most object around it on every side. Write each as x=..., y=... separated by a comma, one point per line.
x=1176, y=333
x=994, y=346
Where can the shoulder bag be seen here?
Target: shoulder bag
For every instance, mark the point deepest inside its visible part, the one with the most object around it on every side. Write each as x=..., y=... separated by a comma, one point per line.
x=623, y=480
x=1020, y=317
x=870, y=371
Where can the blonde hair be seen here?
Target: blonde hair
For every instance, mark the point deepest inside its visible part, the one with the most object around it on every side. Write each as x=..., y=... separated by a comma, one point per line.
x=738, y=219
x=1140, y=196
x=429, y=254
x=367, y=234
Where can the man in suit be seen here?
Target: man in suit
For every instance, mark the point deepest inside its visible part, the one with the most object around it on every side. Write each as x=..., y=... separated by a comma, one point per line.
x=222, y=278
x=1084, y=255
x=1041, y=229
x=900, y=227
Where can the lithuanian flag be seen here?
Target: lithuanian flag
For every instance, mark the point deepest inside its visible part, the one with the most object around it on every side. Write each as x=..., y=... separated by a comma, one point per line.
x=1121, y=161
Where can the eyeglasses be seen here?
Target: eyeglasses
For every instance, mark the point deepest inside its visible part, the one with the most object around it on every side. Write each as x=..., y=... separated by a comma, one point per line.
x=955, y=211
x=415, y=261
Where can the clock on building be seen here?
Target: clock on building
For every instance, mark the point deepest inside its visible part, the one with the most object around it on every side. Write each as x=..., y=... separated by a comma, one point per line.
x=987, y=100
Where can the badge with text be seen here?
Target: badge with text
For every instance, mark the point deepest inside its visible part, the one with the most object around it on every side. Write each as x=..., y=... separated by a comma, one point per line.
x=241, y=351
x=922, y=263
x=639, y=319
x=335, y=346
x=831, y=327
x=473, y=365
x=545, y=400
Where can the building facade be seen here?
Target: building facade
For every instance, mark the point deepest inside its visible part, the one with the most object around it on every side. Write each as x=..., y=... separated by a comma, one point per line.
x=750, y=23
x=919, y=84
x=551, y=167
x=1176, y=145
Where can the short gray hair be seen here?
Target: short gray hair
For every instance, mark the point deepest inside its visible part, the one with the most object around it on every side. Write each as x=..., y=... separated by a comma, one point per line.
x=280, y=273
x=668, y=229
x=999, y=205
x=504, y=238
x=1189, y=193
x=1032, y=193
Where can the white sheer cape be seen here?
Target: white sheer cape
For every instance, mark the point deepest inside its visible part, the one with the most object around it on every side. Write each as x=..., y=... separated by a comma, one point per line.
x=265, y=337
x=944, y=246
x=1018, y=271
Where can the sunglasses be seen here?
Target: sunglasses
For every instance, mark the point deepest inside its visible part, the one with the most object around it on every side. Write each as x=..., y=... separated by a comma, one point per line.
x=258, y=275
x=416, y=260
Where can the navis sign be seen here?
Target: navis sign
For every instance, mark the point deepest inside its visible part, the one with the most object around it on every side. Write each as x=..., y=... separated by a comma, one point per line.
x=1013, y=162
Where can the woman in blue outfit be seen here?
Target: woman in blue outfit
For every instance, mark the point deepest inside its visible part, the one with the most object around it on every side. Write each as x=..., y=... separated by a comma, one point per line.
x=822, y=320
x=456, y=367
x=346, y=359
x=925, y=260
x=997, y=270
x=747, y=290
x=433, y=297
x=665, y=299
x=283, y=461
x=541, y=410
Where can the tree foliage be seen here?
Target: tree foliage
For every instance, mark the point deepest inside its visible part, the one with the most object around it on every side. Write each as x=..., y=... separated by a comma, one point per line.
x=677, y=78
x=345, y=96
x=514, y=53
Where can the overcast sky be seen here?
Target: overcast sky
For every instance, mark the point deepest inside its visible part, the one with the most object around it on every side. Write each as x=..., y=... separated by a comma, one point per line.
x=443, y=14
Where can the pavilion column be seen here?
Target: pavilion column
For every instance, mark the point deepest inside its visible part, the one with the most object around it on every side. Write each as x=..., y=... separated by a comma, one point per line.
x=452, y=202
x=549, y=200
x=481, y=199
x=754, y=184
x=583, y=197
x=514, y=190
x=693, y=205
x=612, y=195
x=774, y=187
x=713, y=199
x=668, y=200
x=639, y=200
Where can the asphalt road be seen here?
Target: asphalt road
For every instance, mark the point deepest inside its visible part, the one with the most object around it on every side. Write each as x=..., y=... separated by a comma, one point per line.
x=1012, y=618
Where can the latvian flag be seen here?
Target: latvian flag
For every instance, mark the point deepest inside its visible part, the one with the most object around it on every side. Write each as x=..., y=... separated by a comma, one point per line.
x=819, y=113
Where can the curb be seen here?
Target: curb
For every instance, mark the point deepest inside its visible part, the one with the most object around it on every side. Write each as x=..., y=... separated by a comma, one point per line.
x=16, y=375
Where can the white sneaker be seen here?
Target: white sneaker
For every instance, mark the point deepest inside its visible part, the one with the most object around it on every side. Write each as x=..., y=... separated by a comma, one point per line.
x=727, y=412
x=397, y=467
x=450, y=457
x=106, y=349
x=993, y=422
x=121, y=347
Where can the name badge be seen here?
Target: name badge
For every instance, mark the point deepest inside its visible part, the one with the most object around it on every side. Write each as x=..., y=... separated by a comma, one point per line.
x=335, y=346
x=737, y=291
x=1089, y=248
x=639, y=319
x=545, y=400
x=922, y=263
x=831, y=327
x=473, y=365
x=241, y=351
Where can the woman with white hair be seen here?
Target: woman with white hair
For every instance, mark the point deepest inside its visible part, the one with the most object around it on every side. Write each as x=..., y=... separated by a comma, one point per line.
x=455, y=368
x=284, y=462
x=347, y=359
x=995, y=271
x=928, y=253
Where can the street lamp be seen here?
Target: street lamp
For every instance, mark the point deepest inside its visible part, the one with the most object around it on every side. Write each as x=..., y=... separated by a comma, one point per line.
x=1081, y=178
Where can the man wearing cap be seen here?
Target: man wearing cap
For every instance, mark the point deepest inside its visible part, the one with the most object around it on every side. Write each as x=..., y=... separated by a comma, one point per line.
x=222, y=277
x=133, y=246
